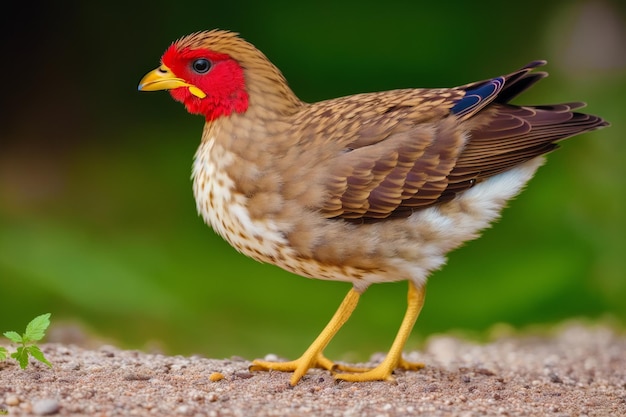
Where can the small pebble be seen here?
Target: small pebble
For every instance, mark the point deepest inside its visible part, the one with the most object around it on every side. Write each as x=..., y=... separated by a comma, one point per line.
x=182, y=409
x=46, y=407
x=12, y=400
x=555, y=378
x=216, y=376
x=484, y=371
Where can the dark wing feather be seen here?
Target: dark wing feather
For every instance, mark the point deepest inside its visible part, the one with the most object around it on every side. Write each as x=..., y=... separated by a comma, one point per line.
x=515, y=135
x=441, y=142
x=477, y=98
x=514, y=83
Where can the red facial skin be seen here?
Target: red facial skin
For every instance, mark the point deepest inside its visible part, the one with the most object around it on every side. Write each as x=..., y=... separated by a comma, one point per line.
x=224, y=84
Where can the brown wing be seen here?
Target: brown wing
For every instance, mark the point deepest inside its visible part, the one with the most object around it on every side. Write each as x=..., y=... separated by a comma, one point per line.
x=416, y=148
x=406, y=170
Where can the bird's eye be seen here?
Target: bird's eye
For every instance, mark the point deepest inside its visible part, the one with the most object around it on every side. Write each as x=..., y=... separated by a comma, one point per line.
x=201, y=65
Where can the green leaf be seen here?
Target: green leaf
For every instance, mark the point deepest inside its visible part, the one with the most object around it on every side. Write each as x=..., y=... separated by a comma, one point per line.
x=38, y=354
x=3, y=353
x=13, y=336
x=36, y=329
x=21, y=355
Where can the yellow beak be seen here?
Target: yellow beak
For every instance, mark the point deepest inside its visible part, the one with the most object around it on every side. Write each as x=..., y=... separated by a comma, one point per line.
x=163, y=78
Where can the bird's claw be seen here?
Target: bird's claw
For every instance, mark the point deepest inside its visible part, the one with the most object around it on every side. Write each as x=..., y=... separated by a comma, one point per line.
x=299, y=366
x=382, y=372
x=409, y=366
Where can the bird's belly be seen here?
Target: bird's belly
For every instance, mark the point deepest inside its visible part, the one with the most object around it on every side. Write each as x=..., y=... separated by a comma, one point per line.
x=420, y=252
x=261, y=240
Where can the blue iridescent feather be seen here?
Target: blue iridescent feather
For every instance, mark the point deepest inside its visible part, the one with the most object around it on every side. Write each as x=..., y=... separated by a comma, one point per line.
x=477, y=98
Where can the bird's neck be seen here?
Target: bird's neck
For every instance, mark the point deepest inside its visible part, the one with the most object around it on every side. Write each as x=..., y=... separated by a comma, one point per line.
x=269, y=95
x=241, y=139
x=272, y=105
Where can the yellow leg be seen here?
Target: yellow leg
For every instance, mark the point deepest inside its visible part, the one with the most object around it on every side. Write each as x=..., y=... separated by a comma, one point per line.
x=313, y=357
x=394, y=358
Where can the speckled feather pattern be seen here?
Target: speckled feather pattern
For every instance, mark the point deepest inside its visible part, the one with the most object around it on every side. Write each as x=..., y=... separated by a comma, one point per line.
x=372, y=187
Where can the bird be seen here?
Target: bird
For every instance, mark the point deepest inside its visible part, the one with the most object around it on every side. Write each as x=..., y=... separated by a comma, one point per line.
x=368, y=188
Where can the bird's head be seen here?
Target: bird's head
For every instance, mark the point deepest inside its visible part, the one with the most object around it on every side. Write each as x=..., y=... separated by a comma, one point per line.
x=216, y=74
x=206, y=81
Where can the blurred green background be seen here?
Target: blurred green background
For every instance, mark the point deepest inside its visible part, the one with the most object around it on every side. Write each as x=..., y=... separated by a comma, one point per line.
x=97, y=219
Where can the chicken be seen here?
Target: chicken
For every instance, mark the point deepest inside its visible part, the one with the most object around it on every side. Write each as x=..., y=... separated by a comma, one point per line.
x=369, y=188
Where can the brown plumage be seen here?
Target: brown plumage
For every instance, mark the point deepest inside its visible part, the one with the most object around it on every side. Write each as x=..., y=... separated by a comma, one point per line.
x=368, y=188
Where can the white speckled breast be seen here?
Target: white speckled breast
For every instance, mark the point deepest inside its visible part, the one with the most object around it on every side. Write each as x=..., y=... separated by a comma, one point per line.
x=224, y=209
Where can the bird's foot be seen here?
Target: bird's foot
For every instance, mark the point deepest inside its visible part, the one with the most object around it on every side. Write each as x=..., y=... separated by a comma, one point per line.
x=299, y=367
x=382, y=372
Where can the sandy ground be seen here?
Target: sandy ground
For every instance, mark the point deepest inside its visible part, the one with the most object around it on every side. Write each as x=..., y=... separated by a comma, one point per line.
x=578, y=371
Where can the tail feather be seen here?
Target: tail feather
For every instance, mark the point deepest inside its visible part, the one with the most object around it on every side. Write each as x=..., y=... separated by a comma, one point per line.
x=507, y=135
x=497, y=90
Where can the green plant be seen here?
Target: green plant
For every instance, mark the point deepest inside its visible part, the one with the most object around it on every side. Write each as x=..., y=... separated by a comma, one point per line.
x=35, y=331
